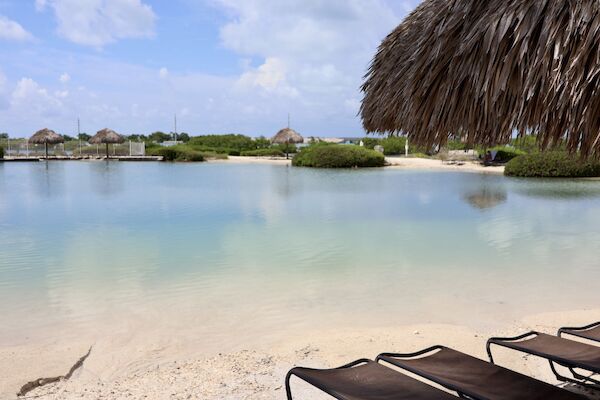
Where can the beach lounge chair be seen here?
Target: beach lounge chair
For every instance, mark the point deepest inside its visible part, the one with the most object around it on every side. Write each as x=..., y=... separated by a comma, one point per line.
x=589, y=332
x=366, y=380
x=566, y=353
x=473, y=378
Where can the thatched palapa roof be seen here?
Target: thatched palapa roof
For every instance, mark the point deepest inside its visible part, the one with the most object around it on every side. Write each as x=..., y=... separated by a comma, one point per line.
x=487, y=68
x=46, y=136
x=106, y=136
x=287, y=135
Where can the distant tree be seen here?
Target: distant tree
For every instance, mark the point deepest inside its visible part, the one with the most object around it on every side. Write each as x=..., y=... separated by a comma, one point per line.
x=3, y=135
x=184, y=137
x=262, y=142
x=159, y=137
x=68, y=138
x=137, y=138
x=84, y=137
x=231, y=141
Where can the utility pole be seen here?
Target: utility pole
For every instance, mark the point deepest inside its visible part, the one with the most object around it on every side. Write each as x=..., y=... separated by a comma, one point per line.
x=175, y=132
x=79, y=135
x=288, y=120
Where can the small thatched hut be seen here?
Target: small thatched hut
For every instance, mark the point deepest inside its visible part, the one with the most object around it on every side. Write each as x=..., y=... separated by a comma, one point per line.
x=107, y=136
x=287, y=137
x=487, y=69
x=46, y=136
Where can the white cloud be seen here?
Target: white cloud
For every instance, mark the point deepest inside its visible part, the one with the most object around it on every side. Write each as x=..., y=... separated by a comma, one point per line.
x=64, y=78
x=61, y=94
x=315, y=52
x=100, y=22
x=3, y=99
x=40, y=5
x=163, y=73
x=306, y=57
x=30, y=96
x=270, y=77
x=12, y=30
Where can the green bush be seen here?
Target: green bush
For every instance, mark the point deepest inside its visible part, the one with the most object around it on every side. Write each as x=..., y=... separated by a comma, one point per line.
x=393, y=145
x=167, y=153
x=505, y=154
x=177, y=153
x=338, y=156
x=1, y=152
x=457, y=144
x=527, y=143
x=288, y=148
x=233, y=143
x=221, y=150
x=271, y=152
x=552, y=165
x=371, y=142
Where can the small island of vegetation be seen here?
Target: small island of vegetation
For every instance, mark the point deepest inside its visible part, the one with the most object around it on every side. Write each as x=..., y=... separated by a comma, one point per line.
x=338, y=156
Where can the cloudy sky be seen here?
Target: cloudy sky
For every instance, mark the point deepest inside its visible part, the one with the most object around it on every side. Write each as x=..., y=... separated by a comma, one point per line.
x=221, y=65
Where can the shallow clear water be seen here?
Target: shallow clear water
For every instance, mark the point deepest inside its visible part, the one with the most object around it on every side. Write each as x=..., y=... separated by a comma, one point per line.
x=254, y=249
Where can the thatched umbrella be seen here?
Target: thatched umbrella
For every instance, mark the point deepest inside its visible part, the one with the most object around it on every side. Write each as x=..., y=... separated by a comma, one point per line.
x=107, y=136
x=287, y=136
x=46, y=136
x=487, y=69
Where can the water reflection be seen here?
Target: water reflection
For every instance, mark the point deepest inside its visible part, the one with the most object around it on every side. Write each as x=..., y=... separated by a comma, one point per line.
x=48, y=178
x=486, y=197
x=107, y=177
x=219, y=238
x=559, y=188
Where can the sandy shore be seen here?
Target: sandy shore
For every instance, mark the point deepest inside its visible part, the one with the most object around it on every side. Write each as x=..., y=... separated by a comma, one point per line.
x=432, y=164
x=146, y=365
x=394, y=162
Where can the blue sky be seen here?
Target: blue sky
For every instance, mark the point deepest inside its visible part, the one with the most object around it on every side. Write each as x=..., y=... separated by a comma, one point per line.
x=224, y=66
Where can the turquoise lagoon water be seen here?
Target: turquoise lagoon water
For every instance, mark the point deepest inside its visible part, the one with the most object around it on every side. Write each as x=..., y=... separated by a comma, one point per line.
x=242, y=250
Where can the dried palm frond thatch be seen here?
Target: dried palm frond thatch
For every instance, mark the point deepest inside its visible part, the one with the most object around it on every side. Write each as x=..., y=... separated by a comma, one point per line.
x=287, y=136
x=489, y=68
x=106, y=136
x=46, y=136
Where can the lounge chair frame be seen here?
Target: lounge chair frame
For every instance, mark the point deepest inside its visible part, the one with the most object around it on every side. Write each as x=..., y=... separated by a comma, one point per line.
x=577, y=379
x=426, y=376
x=288, y=389
x=574, y=331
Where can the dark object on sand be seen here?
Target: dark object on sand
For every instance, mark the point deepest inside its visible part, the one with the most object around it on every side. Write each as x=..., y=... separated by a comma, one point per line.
x=473, y=378
x=366, y=380
x=589, y=332
x=566, y=353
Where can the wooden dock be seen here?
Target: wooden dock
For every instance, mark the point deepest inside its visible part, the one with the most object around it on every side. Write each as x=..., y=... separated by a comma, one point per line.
x=115, y=158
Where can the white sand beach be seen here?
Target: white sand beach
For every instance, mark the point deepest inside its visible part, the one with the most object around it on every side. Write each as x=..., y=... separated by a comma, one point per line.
x=159, y=364
x=394, y=162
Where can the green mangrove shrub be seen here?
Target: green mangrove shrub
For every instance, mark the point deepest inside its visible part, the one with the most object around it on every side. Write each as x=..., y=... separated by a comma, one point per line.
x=556, y=164
x=177, y=153
x=338, y=156
x=504, y=154
x=231, y=143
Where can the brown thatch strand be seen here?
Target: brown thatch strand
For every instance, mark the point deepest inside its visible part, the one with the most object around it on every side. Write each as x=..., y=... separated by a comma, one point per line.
x=287, y=135
x=486, y=69
x=106, y=136
x=46, y=136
